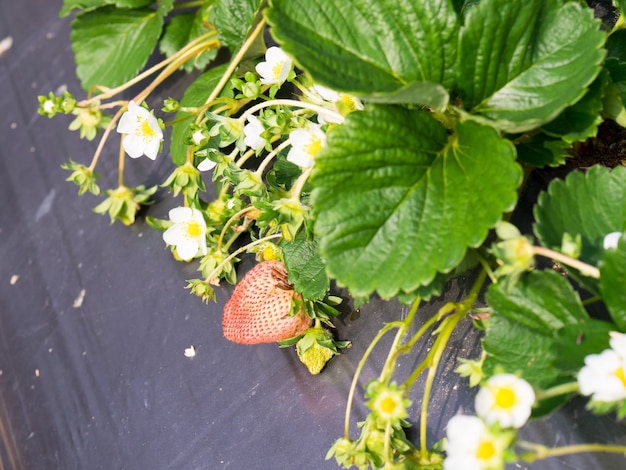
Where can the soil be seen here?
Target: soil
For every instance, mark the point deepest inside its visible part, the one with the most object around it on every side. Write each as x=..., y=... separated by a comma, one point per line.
x=608, y=148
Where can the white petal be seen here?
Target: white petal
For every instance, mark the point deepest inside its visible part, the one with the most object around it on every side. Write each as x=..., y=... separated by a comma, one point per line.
x=174, y=234
x=462, y=462
x=133, y=107
x=187, y=249
x=266, y=73
x=605, y=362
x=206, y=165
x=464, y=433
x=330, y=116
x=152, y=148
x=180, y=214
x=127, y=123
x=300, y=158
x=133, y=145
x=299, y=137
x=611, y=240
x=326, y=93
x=252, y=132
x=275, y=54
x=197, y=217
x=138, y=110
x=618, y=343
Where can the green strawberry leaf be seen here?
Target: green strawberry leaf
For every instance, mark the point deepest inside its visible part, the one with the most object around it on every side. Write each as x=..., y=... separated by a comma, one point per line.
x=615, y=63
x=520, y=333
x=176, y=34
x=513, y=348
x=581, y=120
x=429, y=94
x=613, y=282
x=305, y=267
x=522, y=62
x=541, y=150
x=233, y=20
x=397, y=200
x=380, y=47
x=195, y=95
x=85, y=5
x=181, y=30
x=591, y=205
x=543, y=301
x=574, y=342
x=121, y=40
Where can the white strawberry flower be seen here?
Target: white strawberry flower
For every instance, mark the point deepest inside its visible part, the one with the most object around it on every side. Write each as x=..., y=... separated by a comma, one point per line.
x=305, y=145
x=276, y=67
x=142, y=133
x=604, y=375
x=611, y=240
x=342, y=102
x=187, y=234
x=252, y=133
x=471, y=446
x=505, y=399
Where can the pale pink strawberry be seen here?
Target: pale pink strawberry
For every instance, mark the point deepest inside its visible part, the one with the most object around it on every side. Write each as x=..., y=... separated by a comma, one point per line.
x=258, y=310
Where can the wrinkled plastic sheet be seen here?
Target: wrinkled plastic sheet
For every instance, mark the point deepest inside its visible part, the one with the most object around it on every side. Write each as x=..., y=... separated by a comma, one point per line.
x=94, y=321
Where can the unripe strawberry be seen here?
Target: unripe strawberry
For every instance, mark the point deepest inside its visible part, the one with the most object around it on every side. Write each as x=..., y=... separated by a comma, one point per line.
x=315, y=349
x=258, y=311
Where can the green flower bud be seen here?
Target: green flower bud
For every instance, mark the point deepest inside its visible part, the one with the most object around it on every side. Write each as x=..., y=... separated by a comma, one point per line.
x=124, y=202
x=185, y=179
x=82, y=176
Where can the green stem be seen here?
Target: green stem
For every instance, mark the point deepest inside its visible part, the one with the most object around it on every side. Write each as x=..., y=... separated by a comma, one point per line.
x=238, y=251
x=563, y=389
x=229, y=223
x=388, y=327
x=584, y=268
x=439, y=346
x=169, y=70
x=103, y=139
x=407, y=348
x=591, y=300
x=296, y=189
x=232, y=66
x=266, y=161
x=193, y=45
x=388, y=456
x=433, y=360
x=284, y=102
x=543, y=452
x=120, y=173
x=390, y=362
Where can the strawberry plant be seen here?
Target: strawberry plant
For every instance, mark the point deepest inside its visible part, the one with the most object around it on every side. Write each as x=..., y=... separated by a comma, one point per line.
x=383, y=145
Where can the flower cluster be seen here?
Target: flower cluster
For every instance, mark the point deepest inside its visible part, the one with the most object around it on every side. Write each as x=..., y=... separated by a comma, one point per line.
x=503, y=404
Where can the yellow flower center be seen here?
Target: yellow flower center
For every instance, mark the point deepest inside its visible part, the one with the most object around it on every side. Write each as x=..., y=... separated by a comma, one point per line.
x=620, y=374
x=146, y=130
x=348, y=101
x=505, y=398
x=314, y=146
x=485, y=450
x=276, y=70
x=194, y=230
x=388, y=405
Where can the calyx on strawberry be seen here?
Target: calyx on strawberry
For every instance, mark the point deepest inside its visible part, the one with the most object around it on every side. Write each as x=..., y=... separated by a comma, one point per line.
x=260, y=309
